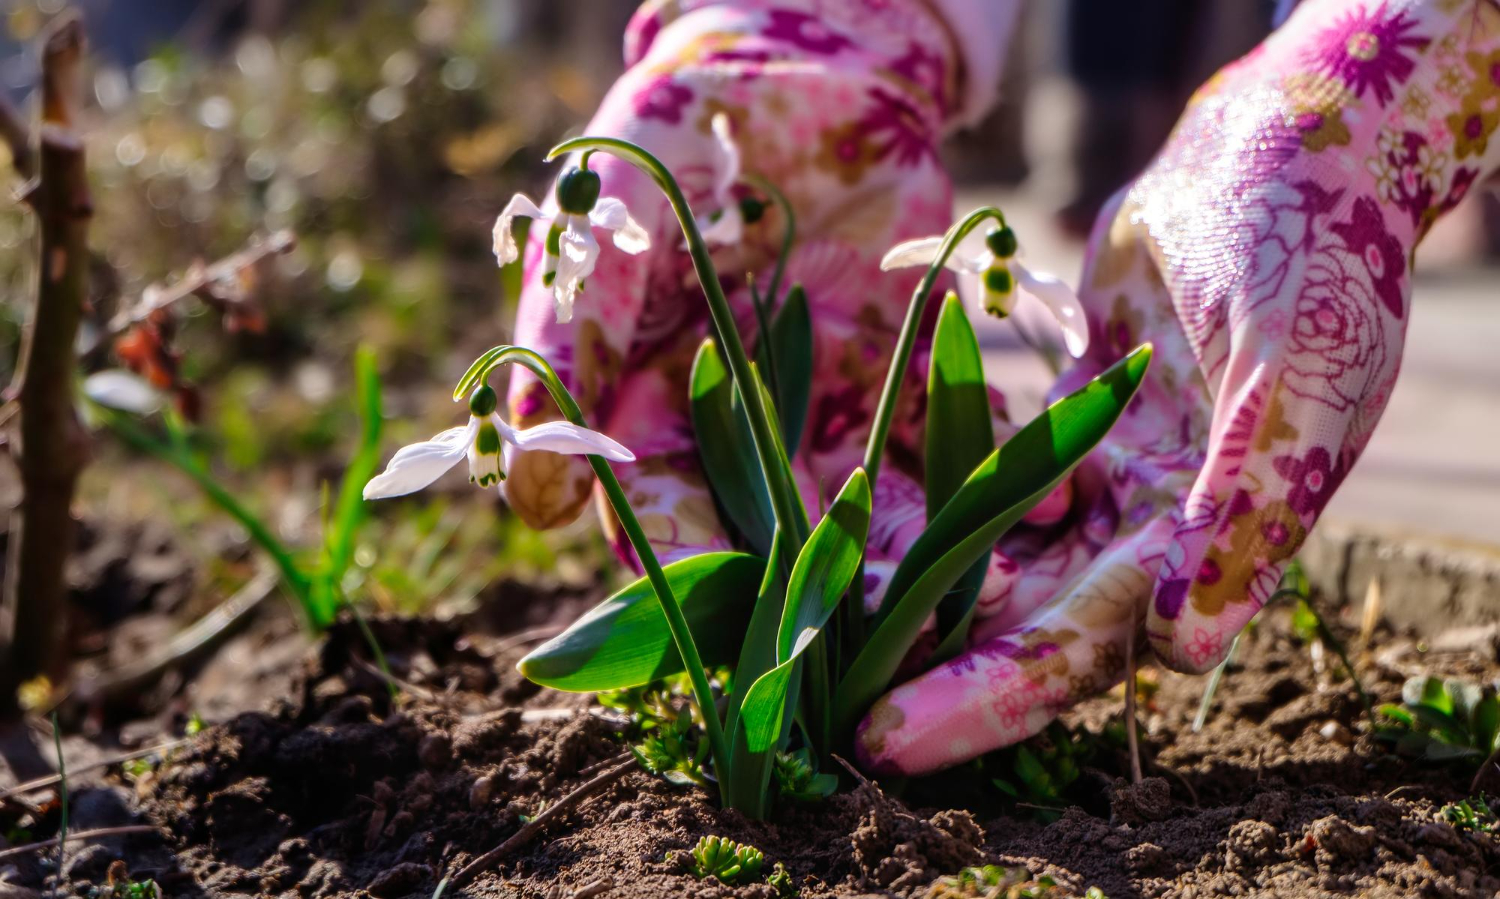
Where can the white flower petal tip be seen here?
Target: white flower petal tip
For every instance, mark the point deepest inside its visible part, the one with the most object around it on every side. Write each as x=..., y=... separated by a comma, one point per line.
x=520, y=206
x=726, y=159
x=1062, y=302
x=911, y=253
x=726, y=230
x=119, y=389
x=418, y=465
x=611, y=215
x=566, y=437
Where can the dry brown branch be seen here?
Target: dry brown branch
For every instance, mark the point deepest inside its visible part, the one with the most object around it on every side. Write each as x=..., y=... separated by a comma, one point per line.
x=51, y=779
x=97, y=834
x=533, y=827
x=53, y=444
x=218, y=280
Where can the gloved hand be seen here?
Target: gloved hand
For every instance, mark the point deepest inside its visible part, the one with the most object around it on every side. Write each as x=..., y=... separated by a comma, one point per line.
x=1266, y=253
x=840, y=105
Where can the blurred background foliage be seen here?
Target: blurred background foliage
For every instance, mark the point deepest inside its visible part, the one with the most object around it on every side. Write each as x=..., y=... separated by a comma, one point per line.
x=386, y=136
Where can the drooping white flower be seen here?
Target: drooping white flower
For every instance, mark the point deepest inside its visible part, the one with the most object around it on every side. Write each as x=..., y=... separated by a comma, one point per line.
x=571, y=250
x=995, y=276
x=126, y=391
x=483, y=441
x=726, y=224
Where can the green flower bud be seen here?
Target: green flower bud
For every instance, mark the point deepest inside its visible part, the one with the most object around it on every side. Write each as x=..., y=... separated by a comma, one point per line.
x=752, y=210
x=999, y=280
x=483, y=401
x=1002, y=242
x=578, y=191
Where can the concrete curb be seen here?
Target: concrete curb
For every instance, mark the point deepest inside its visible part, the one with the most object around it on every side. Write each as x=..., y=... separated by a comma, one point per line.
x=1438, y=587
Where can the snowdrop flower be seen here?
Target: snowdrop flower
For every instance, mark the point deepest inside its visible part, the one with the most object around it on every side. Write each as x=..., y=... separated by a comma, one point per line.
x=572, y=250
x=996, y=276
x=726, y=225
x=483, y=441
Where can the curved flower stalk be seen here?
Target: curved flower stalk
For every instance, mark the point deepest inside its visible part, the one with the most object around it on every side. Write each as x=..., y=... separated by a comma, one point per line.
x=571, y=250
x=476, y=379
x=483, y=441
x=786, y=503
x=995, y=277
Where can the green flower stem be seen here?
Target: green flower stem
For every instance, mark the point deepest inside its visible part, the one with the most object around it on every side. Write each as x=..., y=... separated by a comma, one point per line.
x=885, y=410
x=676, y=621
x=788, y=236
x=785, y=502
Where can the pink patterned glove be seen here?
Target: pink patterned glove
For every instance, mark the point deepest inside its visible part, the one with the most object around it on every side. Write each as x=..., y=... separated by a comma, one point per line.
x=1266, y=253
x=841, y=104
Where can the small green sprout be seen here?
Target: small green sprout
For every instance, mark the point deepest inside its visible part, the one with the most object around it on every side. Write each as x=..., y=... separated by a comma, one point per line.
x=729, y=862
x=1041, y=770
x=1443, y=720
x=118, y=884
x=780, y=880
x=194, y=726
x=675, y=751
x=998, y=882
x=1471, y=814
x=797, y=777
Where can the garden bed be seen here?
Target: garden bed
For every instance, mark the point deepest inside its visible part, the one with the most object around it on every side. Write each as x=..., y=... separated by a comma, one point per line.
x=337, y=790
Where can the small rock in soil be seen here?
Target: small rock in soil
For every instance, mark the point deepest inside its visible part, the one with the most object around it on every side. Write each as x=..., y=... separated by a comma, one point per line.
x=1340, y=842
x=1135, y=804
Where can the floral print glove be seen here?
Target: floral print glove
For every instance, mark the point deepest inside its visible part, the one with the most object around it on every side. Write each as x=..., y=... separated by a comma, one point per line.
x=841, y=105
x=1267, y=254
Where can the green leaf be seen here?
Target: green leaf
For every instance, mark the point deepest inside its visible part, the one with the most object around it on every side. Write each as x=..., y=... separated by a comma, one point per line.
x=1005, y=487
x=727, y=448
x=791, y=349
x=1427, y=691
x=819, y=579
x=959, y=431
x=349, y=512
x=959, y=437
x=1486, y=725
x=625, y=642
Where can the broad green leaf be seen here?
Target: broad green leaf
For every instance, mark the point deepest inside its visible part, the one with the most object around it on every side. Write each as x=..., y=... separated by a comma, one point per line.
x=727, y=448
x=959, y=437
x=1002, y=489
x=959, y=430
x=791, y=349
x=625, y=642
x=1427, y=691
x=758, y=652
x=819, y=580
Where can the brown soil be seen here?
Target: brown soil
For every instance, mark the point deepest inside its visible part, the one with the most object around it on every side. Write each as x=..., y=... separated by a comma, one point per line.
x=334, y=790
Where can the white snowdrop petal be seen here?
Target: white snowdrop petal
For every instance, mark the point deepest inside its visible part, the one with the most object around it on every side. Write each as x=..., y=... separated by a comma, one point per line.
x=566, y=437
x=727, y=229
x=1061, y=301
x=520, y=205
x=611, y=215
x=726, y=160
x=418, y=465
x=122, y=390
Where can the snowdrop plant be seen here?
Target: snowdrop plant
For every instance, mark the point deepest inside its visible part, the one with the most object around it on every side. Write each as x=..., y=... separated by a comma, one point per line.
x=785, y=611
x=571, y=251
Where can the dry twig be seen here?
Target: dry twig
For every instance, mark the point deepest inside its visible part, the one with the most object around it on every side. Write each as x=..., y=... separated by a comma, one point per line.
x=53, y=444
x=77, y=836
x=1132, y=739
x=49, y=780
x=533, y=827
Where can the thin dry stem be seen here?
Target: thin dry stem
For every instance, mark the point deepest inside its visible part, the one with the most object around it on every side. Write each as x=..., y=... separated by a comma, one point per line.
x=78, y=836
x=1130, y=718
x=533, y=827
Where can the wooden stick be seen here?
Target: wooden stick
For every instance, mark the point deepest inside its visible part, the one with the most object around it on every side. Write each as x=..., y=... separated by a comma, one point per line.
x=54, y=445
x=535, y=825
x=40, y=782
x=97, y=834
x=1130, y=735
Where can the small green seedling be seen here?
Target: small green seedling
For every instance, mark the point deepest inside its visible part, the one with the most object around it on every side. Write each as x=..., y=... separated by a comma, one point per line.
x=1472, y=814
x=1040, y=771
x=118, y=884
x=729, y=862
x=1441, y=720
x=797, y=777
x=780, y=880
x=998, y=882
x=675, y=751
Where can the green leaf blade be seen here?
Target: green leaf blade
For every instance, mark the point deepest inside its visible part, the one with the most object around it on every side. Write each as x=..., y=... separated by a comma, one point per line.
x=791, y=345
x=1003, y=489
x=625, y=642
x=726, y=447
